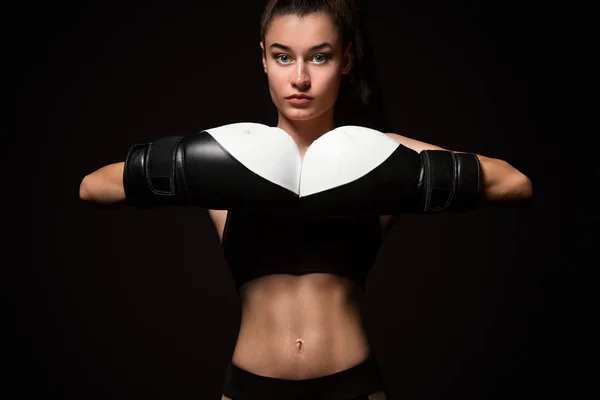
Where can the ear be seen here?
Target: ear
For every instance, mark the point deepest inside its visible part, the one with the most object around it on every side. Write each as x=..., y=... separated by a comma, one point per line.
x=264, y=60
x=347, y=59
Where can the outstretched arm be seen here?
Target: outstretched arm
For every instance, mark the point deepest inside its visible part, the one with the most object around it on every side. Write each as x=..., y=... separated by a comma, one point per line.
x=215, y=170
x=500, y=181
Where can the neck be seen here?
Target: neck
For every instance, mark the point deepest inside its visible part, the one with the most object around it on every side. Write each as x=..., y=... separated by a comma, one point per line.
x=307, y=131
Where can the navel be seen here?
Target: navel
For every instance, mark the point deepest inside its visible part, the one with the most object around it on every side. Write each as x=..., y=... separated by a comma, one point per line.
x=299, y=343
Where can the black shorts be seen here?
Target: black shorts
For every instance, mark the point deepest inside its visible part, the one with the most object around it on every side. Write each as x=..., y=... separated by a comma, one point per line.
x=354, y=383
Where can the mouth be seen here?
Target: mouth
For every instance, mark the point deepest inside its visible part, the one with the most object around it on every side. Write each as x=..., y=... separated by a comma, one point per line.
x=299, y=96
x=299, y=99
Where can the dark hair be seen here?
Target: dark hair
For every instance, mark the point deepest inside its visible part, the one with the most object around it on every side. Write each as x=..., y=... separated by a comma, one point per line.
x=359, y=99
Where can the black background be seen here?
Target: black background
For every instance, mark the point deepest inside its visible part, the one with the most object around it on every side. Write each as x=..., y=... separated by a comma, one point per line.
x=117, y=304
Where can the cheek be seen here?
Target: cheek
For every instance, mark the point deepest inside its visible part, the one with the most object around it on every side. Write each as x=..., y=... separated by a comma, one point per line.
x=277, y=82
x=328, y=84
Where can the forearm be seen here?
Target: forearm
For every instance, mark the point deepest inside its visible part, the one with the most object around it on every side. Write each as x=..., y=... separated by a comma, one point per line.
x=104, y=186
x=501, y=182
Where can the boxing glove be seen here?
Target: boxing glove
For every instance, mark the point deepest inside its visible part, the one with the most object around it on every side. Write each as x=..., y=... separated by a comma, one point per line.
x=347, y=171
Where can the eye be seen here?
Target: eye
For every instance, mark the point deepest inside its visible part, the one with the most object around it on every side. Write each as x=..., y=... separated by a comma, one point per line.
x=320, y=58
x=282, y=58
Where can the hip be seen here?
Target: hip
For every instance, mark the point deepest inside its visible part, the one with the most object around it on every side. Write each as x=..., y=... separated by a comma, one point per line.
x=360, y=382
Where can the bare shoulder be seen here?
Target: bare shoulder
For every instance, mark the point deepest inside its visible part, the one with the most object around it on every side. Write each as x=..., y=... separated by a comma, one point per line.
x=413, y=144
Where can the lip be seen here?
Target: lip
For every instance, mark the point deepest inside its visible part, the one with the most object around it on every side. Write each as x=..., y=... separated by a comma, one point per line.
x=299, y=96
x=299, y=101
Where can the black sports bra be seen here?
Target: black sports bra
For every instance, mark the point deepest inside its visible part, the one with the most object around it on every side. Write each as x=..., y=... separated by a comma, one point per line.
x=257, y=245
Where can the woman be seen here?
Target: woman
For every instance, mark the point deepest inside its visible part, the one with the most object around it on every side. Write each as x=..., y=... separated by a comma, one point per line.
x=301, y=333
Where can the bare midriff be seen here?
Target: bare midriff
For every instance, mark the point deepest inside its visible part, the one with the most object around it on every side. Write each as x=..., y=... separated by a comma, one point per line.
x=300, y=327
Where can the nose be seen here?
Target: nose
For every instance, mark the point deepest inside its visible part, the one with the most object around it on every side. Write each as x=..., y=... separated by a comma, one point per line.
x=300, y=77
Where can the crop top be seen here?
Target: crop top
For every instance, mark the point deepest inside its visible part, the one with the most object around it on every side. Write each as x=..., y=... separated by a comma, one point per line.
x=257, y=245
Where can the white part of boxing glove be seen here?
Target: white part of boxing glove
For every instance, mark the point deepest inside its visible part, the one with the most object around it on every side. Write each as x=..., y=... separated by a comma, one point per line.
x=268, y=152
x=341, y=156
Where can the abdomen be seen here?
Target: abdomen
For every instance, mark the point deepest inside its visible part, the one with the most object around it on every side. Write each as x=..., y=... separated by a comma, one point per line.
x=300, y=327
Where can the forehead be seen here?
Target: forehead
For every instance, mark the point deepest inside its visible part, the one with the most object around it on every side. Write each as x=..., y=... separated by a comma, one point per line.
x=306, y=31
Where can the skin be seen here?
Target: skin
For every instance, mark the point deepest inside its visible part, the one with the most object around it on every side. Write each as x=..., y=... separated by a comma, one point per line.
x=302, y=327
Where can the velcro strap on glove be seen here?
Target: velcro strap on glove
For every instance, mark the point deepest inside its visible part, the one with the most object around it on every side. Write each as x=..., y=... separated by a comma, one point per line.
x=449, y=181
x=150, y=172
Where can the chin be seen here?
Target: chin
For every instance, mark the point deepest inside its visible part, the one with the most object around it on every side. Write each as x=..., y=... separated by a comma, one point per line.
x=302, y=114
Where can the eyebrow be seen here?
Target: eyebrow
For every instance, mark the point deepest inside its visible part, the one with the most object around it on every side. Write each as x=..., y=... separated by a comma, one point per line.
x=286, y=48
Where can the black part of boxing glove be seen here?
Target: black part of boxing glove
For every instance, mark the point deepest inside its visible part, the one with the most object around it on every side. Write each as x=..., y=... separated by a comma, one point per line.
x=215, y=179
x=449, y=181
x=196, y=170
x=150, y=176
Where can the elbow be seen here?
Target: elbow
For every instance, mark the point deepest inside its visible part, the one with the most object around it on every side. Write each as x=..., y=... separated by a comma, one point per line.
x=523, y=187
x=528, y=188
x=518, y=188
x=84, y=191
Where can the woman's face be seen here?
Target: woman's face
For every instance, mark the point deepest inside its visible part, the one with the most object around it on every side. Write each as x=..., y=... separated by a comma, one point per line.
x=304, y=55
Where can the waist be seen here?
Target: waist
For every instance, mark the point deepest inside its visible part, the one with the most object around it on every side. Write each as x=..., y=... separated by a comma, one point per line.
x=300, y=327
